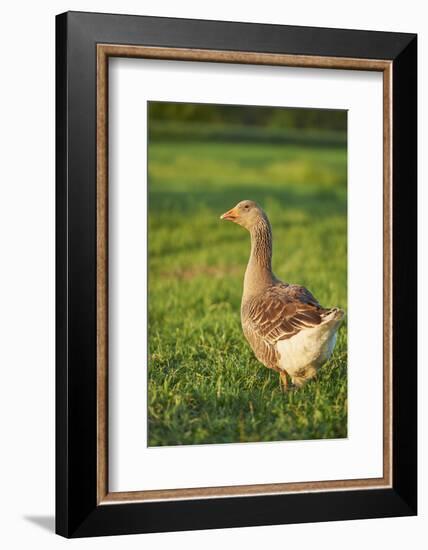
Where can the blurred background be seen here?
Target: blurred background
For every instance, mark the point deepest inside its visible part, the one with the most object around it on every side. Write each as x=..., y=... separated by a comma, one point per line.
x=204, y=384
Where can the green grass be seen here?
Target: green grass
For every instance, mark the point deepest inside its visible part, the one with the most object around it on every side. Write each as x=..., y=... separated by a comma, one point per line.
x=204, y=383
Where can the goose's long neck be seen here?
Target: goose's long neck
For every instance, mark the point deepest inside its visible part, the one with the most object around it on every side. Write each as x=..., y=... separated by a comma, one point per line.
x=258, y=274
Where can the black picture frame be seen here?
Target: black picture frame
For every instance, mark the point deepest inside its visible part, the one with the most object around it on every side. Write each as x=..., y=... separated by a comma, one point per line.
x=77, y=511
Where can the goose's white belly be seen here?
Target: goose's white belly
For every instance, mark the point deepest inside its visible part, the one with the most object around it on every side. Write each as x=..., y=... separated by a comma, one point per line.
x=311, y=347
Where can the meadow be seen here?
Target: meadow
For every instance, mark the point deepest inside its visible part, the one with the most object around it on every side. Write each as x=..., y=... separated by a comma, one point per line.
x=204, y=383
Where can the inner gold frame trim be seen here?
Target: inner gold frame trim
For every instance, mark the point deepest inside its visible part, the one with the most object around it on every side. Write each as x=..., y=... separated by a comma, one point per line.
x=104, y=51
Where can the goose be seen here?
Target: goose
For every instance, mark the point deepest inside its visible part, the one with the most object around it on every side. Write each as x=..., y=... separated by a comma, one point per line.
x=285, y=326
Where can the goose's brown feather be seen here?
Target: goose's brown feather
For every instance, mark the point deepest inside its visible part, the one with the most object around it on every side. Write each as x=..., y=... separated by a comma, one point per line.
x=279, y=313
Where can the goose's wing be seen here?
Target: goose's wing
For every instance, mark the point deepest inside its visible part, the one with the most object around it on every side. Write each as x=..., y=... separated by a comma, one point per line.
x=279, y=313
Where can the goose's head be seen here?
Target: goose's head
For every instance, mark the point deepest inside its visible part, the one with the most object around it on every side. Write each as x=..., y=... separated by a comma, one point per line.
x=245, y=213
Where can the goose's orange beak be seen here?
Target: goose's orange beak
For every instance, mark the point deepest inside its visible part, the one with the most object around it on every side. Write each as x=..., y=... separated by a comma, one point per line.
x=231, y=215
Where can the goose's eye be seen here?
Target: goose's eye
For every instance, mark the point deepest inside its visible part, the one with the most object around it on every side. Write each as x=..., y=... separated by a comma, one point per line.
x=246, y=207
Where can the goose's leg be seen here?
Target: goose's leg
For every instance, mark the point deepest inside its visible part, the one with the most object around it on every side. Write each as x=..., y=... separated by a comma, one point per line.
x=283, y=381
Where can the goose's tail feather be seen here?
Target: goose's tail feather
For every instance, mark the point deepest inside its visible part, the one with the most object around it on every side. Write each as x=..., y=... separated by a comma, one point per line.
x=333, y=314
x=331, y=319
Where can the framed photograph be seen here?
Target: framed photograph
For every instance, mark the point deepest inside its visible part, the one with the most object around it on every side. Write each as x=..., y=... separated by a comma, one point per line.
x=236, y=274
